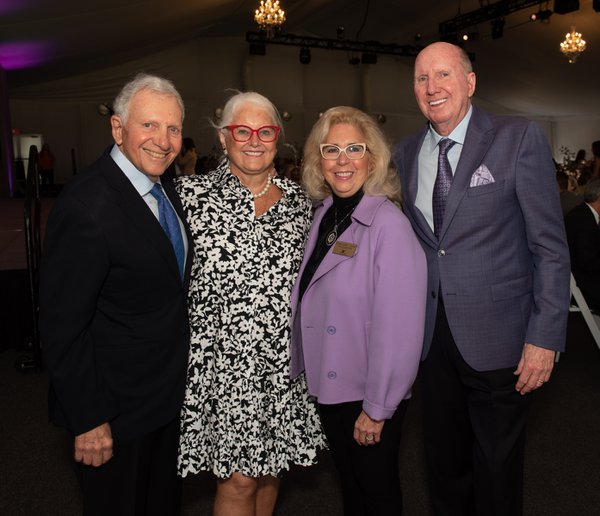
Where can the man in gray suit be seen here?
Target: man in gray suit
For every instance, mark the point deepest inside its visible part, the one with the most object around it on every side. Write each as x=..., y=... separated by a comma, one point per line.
x=480, y=192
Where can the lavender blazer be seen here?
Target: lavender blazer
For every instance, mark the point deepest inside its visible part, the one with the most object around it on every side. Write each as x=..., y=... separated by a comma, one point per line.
x=358, y=332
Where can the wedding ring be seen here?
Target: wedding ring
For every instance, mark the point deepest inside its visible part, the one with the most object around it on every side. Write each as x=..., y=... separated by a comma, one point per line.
x=370, y=438
x=540, y=382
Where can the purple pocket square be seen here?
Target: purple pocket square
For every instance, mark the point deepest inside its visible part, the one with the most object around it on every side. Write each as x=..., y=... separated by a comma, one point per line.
x=482, y=176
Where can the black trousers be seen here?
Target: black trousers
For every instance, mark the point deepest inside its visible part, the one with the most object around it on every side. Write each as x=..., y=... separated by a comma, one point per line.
x=140, y=480
x=369, y=475
x=474, y=429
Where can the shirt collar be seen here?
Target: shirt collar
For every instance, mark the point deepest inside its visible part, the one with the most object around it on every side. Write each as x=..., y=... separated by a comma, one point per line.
x=140, y=181
x=458, y=134
x=594, y=213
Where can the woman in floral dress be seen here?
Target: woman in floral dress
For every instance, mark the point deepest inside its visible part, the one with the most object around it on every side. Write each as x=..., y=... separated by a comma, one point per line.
x=243, y=419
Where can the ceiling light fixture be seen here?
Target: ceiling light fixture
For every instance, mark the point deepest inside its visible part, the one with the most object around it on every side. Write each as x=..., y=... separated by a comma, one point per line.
x=269, y=17
x=573, y=45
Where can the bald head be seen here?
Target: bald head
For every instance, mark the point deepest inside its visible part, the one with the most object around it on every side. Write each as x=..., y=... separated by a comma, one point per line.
x=444, y=85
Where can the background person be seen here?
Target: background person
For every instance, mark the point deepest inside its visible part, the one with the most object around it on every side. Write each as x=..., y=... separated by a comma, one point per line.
x=113, y=311
x=45, y=164
x=186, y=161
x=498, y=283
x=358, y=306
x=595, y=162
x=243, y=419
x=583, y=235
x=567, y=186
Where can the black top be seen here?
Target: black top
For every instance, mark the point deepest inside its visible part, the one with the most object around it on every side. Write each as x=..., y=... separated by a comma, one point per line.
x=339, y=211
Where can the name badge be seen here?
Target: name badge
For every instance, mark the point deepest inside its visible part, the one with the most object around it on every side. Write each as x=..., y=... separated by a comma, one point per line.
x=344, y=248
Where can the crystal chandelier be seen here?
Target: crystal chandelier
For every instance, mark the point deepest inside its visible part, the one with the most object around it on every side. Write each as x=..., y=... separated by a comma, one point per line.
x=269, y=16
x=573, y=45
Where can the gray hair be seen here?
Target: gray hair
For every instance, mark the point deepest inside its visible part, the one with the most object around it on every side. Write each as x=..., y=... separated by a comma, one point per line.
x=242, y=98
x=592, y=190
x=144, y=81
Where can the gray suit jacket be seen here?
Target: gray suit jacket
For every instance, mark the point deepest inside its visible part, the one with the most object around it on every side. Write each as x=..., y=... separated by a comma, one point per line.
x=502, y=261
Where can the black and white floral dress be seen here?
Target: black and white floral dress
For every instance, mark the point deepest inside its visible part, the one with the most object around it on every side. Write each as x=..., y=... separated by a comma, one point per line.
x=241, y=412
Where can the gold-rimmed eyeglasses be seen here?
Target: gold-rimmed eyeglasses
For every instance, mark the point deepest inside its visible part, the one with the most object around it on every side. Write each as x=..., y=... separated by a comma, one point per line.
x=243, y=133
x=352, y=151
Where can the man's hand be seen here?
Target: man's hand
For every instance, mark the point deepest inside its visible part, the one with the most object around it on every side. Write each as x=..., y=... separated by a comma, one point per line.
x=94, y=447
x=534, y=369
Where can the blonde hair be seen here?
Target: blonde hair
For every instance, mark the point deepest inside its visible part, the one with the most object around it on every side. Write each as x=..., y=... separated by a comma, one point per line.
x=381, y=178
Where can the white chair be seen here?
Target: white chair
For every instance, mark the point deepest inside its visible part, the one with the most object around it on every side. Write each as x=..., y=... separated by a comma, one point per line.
x=578, y=304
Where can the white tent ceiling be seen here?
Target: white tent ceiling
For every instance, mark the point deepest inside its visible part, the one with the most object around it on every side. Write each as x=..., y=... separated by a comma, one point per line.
x=523, y=71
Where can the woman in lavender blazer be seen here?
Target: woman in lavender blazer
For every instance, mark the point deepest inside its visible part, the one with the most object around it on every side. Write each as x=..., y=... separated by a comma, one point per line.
x=358, y=306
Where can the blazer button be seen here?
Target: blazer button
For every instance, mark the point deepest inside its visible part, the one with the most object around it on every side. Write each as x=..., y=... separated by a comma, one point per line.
x=433, y=294
x=441, y=252
x=332, y=375
x=331, y=330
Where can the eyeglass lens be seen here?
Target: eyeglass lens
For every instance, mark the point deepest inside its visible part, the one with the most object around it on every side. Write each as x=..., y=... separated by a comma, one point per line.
x=242, y=133
x=352, y=151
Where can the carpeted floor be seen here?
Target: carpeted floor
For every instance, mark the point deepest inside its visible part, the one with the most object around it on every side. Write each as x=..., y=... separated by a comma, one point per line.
x=562, y=473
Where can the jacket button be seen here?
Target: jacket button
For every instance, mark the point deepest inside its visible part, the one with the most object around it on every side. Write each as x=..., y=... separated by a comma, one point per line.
x=332, y=375
x=441, y=252
x=433, y=294
x=331, y=330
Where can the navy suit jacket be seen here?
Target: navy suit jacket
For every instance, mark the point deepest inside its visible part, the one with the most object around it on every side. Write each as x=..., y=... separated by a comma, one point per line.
x=501, y=263
x=113, y=307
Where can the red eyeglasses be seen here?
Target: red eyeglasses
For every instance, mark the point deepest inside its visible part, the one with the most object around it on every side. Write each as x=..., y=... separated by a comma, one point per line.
x=243, y=133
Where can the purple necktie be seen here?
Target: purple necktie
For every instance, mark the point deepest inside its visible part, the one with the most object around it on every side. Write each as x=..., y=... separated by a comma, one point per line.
x=443, y=181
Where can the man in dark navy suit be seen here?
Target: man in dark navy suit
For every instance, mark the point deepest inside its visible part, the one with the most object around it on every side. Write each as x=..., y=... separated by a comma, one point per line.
x=113, y=309
x=583, y=235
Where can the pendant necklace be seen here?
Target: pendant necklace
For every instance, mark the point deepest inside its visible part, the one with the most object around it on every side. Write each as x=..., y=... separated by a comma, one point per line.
x=332, y=235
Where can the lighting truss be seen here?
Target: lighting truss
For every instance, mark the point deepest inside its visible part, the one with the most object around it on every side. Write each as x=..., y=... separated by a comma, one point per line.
x=487, y=13
x=369, y=47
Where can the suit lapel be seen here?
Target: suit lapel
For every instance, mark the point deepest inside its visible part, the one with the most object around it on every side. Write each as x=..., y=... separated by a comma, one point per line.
x=478, y=139
x=136, y=209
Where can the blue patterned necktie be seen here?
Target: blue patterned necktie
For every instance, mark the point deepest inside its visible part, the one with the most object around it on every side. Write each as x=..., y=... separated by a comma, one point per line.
x=170, y=223
x=443, y=181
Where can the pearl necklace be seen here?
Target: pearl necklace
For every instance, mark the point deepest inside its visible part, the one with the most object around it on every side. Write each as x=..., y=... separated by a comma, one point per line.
x=264, y=191
x=332, y=235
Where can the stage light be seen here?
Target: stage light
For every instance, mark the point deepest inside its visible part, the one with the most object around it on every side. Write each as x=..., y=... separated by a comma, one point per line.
x=565, y=6
x=368, y=58
x=541, y=15
x=470, y=36
x=498, y=28
x=305, y=56
x=257, y=49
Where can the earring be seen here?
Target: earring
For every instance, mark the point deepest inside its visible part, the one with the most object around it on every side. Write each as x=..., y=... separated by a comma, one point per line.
x=225, y=151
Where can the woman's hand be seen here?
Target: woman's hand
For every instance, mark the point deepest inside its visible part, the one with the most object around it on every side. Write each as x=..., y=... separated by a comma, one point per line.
x=367, y=431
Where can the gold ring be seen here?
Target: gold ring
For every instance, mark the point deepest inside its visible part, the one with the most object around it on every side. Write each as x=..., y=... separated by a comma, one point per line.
x=370, y=438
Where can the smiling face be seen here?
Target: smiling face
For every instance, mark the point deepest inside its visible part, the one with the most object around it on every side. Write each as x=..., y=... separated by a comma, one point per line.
x=345, y=176
x=151, y=136
x=253, y=157
x=443, y=87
